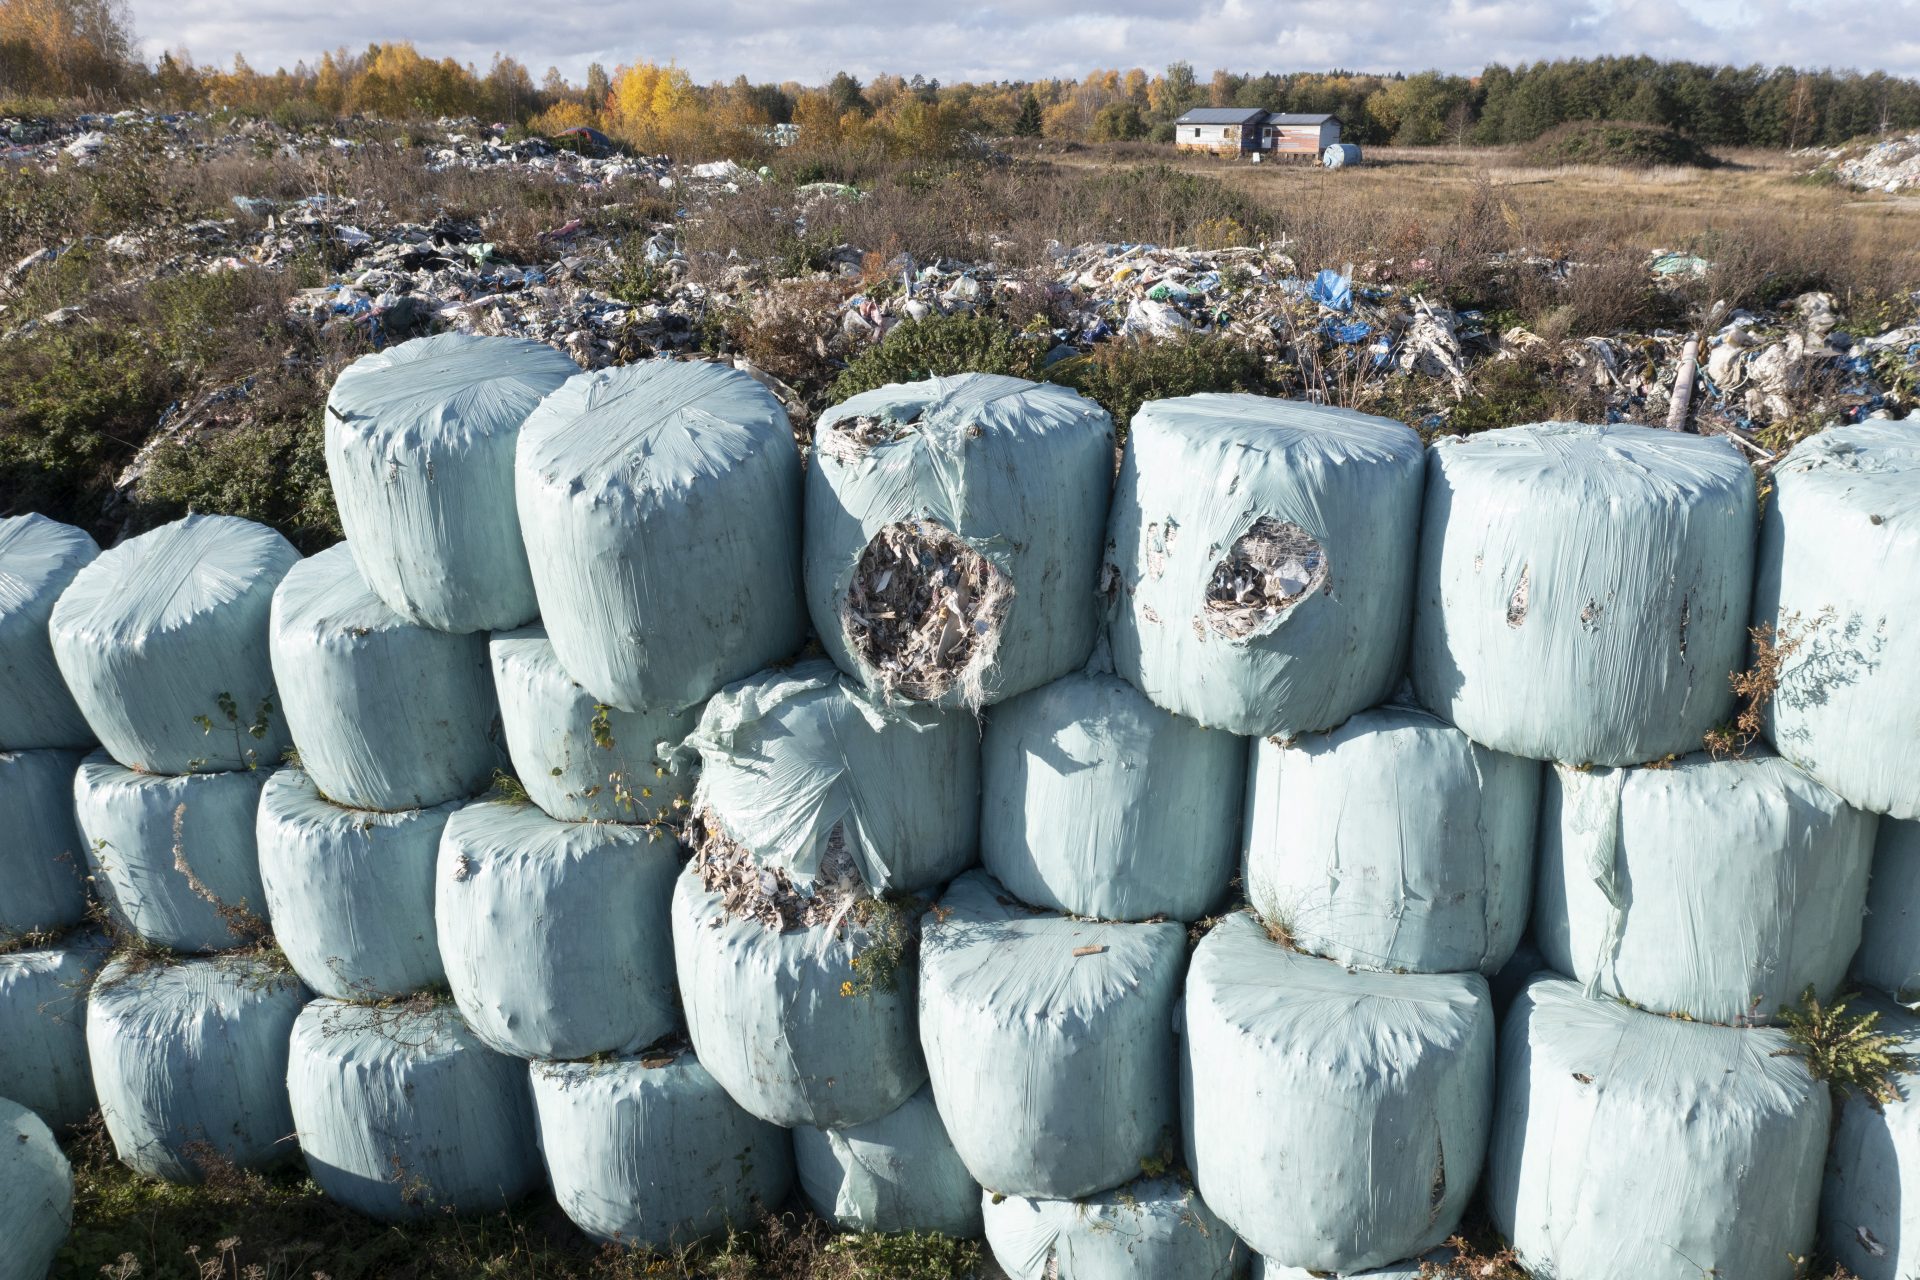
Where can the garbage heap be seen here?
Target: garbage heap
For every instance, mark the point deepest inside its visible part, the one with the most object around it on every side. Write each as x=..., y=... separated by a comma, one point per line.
x=1261, y=853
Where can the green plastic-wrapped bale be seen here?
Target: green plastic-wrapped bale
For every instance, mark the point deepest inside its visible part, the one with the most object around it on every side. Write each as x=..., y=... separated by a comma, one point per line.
x=42, y=866
x=38, y=558
x=1889, y=955
x=1148, y=1229
x=36, y=1194
x=43, y=1026
x=1869, y=1221
x=897, y=1173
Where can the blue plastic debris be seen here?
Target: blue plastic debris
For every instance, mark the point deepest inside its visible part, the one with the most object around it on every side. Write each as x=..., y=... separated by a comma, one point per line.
x=1332, y=290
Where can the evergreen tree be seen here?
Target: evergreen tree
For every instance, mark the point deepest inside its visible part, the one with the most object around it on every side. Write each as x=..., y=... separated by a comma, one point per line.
x=1030, y=121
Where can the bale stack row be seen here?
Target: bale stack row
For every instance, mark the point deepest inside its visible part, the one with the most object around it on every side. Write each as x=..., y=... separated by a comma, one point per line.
x=909, y=918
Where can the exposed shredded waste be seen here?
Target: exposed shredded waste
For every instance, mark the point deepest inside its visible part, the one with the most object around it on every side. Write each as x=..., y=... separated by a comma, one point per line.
x=1271, y=566
x=767, y=894
x=924, y=607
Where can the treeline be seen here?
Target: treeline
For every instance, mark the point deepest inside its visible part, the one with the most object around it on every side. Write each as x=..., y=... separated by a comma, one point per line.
x=83, y=49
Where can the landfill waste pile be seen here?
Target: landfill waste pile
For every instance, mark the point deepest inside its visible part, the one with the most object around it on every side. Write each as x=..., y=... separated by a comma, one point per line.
x=956, y=828
x=1890, y=164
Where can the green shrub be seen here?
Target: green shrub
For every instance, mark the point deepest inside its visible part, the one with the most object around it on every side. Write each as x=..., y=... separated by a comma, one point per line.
x=1505, y=393
x=939, y=346
x=1845, y=1050
x=1618, y=143
x=1123, y=375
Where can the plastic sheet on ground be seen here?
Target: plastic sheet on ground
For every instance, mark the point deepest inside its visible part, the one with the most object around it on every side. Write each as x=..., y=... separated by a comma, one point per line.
x=1098, y=803
x=1149, y=1229
x=1263, y=558
x=783, y=1019
x=798, y=759
x=1889, y=955
x=387, y=714
x=1716, y=889
x=582, y=760
x=953, y=534
x=1628, y=1144
x=660, y=504
x=38, y=558
x=163, y=641
x=42, y=863
x=350, y=893
x=43, y=1027
x=174, y=858
x=1604, y=569
x=651, y=1151
x=897, y=1173
x=1393, y=843
x=1869, y=1221
x=420, y=442
x=555, y=935
x=1049, y=1041
x=1335, y=1118
x=36, y=1194
x=190, y=1063
x=401, y=1112
x=1837, y=553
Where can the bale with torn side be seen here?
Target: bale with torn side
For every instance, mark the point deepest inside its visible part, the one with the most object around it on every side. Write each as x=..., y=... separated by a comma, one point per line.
x=1098, y=803
x=1837, y=585
x=42, y=860
x=401, y=1112
x=1261, y=560
x=897, y=1173
x=556, y=935
x=190, y=1063
x=1049, y=1041
x=1628, y=1144
x=175, y=859
x=388, y=715
x=350, y=893
x=660, y=503
x=38, y=558
x=1606, y=567
x=43, y=1026
x=1717, y=889
x=953, y=534
x=582, y=760
x=649, y=1151
x=163, y=642
x=420, y=440
x=1148, y=1229
x=1335, y=1118
x=800, y=764
x=1393, y=843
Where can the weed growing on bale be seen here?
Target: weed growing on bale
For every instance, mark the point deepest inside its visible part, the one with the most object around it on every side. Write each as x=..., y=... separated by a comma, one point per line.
x=1755, y=687
x=507, y=789
x=893, y=939
x=1844, y=1049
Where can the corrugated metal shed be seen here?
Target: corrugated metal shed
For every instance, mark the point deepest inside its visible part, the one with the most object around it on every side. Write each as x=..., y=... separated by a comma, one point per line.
x=1222, y=115
x=1296, y=118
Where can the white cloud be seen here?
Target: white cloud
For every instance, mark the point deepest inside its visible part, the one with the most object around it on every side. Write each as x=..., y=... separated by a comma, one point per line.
x=808, y=40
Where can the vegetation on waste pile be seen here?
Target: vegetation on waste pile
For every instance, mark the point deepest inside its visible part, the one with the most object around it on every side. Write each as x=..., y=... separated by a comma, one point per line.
x=126, y=1227
x=1618, y=143
x=1845, y=1050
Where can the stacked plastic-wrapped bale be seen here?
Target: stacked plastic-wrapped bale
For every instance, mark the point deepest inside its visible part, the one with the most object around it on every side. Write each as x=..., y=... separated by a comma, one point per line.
x=1152, y=1226
x=1630, y=1144
x=1869, y=1221
x=1889, y=955
x=43, y=1024
x=36, y=1194
x=953, y=532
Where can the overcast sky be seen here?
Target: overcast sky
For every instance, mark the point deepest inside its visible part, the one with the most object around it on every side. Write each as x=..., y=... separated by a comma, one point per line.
x=808, y=40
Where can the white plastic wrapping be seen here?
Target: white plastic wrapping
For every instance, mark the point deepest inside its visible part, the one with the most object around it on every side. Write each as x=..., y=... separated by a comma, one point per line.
x=1098, y=803
x=36, y=1194
x=42, y=861
x=770, y=1019
x=43, y=1027
x=651, y=1151
x=1869, y=1220
x=1393, y=843
x=1149, y=1229
x=1716, y=889
x=1263, y=1269
x=387, y=714
x=401, y=1112
x=1335, y=1118
x=420, y=441
x=174, y=858
x=1583, y=590
x=1339, y=490
x=1628, y=1144
x=582, y=760
x=1049, y=1040
x=350, y=893
x=660, y=503
x=38, y=558
x=190, y=1060
x=1836, y=575
x=163, y=642
x=791, y=756
x=897, y=1173
x=1889, y=955
x=555, y=935
x=1019, y=472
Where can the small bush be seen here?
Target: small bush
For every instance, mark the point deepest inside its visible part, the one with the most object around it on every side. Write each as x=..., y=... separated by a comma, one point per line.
x=1505, y=393
x=1123, y=375
x=1844, y=1049
x=1618, y=143
x=939, y=346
